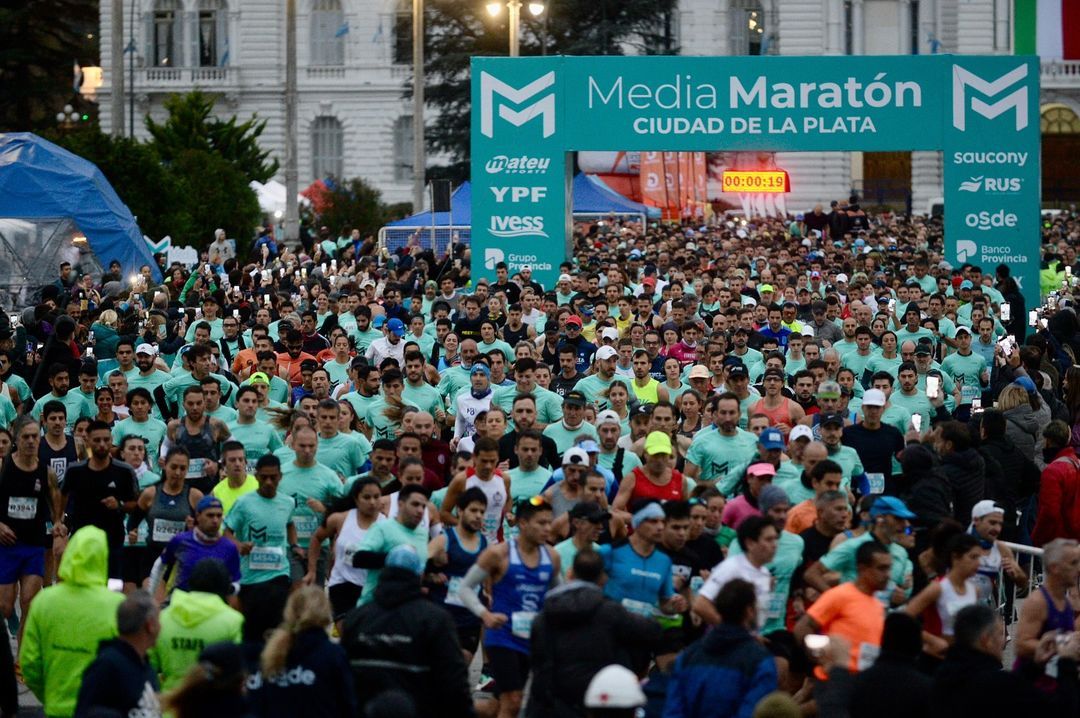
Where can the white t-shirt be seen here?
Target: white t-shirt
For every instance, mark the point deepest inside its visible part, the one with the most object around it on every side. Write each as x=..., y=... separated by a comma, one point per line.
x=740, y=567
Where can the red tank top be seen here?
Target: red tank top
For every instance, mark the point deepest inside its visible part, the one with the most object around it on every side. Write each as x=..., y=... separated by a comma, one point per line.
x=645, y=489
x=779, y=415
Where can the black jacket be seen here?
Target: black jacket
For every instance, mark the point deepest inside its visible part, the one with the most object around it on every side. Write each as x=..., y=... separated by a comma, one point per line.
x=970, y=684
x=118, y=681
x=401, y=641
x=892, y=688
x=966, y=472
x=316, y=681
x=929, y=497
x=1019, y=479
x=578, y=632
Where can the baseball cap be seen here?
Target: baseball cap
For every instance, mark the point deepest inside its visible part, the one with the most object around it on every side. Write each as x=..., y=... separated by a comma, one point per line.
x=258, y=378
x=657, y=442
x=966, y=284
x=985, y=508
x=590, y=511
x=378, y=321
x=761, y=468
x=873, y=397
x=573, y=319
x=575, y=398
x=551, y=328
x=575, y=455
x=923, y=349
x=772, y=439
x=146, y=349
x=1026, y=383
x=607, y=417
x=526, y=268
x=309, y=365
x=641, y=410
x=649, y=280
x=699, y=372
x=891, y=506
x=965, y=330
x=589, y=446
x=614, y=686
x=842, y=278
x=606, y=352
x=832, y=418
x=396, y=326
x=208, y=502
x=801, y=431
x=765, y=288
x=564, y=278
x=738, y=372
x=828, y=390
x=609, y=333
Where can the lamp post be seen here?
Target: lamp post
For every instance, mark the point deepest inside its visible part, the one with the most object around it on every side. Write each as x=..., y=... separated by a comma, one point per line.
x=419, y=162
x=536, y=9
x=292, y=174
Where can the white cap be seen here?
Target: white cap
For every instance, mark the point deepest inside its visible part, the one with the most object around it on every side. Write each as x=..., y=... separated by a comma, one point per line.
x=565, y=278
x=146, y=349
x=873, y=397
x=609, y=333
x=985, y=508
x=575, y=455
x=614, y=687
x=841, y=277
x=606, y=352
x=801, y=431
x=607, y=416
x=525, y=268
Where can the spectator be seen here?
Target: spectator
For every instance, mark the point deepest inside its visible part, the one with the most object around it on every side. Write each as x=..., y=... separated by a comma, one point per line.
x=1020, y=476
x=1059, y=488
x=214, y=688
x=963, y=467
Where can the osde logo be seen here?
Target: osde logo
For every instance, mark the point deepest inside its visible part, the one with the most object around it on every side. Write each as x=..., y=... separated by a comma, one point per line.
x=985, y=220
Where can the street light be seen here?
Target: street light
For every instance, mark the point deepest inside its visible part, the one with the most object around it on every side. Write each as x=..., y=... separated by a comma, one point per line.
x=536, y=9
x=67, y=118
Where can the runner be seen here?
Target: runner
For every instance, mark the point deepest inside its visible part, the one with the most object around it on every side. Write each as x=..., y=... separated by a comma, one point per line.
x=453, y=553
x=179, y=562
x=484, y=475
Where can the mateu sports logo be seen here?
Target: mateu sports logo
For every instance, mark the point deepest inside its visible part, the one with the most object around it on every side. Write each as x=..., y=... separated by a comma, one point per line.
x=544, y=108
x=1016, y=100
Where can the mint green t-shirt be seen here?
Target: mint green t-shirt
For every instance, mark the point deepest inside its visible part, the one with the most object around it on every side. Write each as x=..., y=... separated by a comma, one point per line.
x=257, y=437
x=344, y=453
x=914, y=404
x=382, y=538
x=339, y=373
x=525, y=485
x=564, y=438
x=594, y=388
x=308, y=482
x=849, y=461
x=842, y=560
x=424, y=396
x=74, y=403
x=715, y=454
x=381, y=426
x=152, y=430
x=966, y=371
x=263, y=522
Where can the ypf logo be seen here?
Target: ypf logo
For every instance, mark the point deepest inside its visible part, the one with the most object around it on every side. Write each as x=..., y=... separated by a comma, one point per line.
x=544, y=108
x=1016, y=100
x=492, y=256
x=966, y=249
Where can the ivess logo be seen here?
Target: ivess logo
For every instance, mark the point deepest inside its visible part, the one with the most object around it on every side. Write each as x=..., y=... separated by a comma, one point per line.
x=491, y=86
x=966, y=249
x=1015, y=100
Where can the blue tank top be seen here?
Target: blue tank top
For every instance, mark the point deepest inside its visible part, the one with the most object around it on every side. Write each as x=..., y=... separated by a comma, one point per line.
x=459, y=561
x=519, y=595
x=1057, y=619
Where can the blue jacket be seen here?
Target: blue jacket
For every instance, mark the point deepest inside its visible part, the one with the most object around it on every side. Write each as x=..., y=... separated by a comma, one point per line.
x=722, y=675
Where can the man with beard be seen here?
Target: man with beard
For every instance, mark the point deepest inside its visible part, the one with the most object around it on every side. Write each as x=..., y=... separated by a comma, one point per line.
x=714, y=452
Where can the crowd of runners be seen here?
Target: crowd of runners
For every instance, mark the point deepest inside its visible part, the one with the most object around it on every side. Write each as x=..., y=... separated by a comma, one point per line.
x=750, y=468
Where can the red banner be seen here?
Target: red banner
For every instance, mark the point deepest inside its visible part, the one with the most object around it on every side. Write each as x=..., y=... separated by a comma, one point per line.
x=653, y=190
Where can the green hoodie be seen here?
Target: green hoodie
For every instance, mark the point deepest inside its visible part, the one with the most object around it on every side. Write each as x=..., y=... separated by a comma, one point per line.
x=193, y=621
x=66, y=622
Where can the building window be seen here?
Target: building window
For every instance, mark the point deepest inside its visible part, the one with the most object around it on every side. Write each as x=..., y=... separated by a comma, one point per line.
x=403, y=149
x=1059, y=120
x=328, y=32
x=211, y=33
x=166, y=40
x=748, y=31
x=403, y=33
x=327, y=148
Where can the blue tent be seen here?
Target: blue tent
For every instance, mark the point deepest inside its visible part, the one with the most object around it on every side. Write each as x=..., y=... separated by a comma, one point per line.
x=460, y=206
x=41, y=181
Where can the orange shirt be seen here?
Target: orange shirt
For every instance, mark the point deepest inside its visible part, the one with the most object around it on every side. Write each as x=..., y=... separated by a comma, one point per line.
x=847, y=612
x=801, y=517
x=244, y=363
x=289, y=368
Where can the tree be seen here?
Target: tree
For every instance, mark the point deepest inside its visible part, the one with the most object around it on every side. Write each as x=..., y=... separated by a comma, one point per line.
x=39, y=39
x=192, y=126
x=354, y=203
x=457, y=31
x=148, y=188
x=216, y=194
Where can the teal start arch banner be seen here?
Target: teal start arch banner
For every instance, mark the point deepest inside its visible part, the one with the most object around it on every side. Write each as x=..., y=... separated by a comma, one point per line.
x=981, y=112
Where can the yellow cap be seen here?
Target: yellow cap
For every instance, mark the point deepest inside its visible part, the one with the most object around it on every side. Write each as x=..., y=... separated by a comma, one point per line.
x=258, y=378
x=657, y=443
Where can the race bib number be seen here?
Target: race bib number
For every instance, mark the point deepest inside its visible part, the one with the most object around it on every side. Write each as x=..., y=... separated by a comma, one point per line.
x=696, y=582
x=452, y=598
x=867, y=655
x=266, y=558
x=305, y=524
x=641, y=608
x=877, y=482
x=165, y=530
x=251, y=465
x=22, y=507
x=521, y=623
x=196, y=469
x=969, y=392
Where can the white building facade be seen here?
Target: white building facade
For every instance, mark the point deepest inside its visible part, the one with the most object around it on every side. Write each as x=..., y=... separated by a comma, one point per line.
x=354, y=58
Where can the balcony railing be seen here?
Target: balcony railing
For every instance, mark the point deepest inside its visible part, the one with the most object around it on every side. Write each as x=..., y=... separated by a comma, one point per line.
x=1060, y=73
x=187, y=76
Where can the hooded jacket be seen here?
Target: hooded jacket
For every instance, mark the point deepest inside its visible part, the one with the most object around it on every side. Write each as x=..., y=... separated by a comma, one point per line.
x=1022, y=429
x=971, y=684
x=927, y=492
x=105, y=341
x=316, y=681
x=578, y=632
x=192, y=621
x=1059, y=500
x=722, y=675
x=402, y=641
x=119, y=682
x=1019, y=479
x=66, y=622
x=966, y=473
